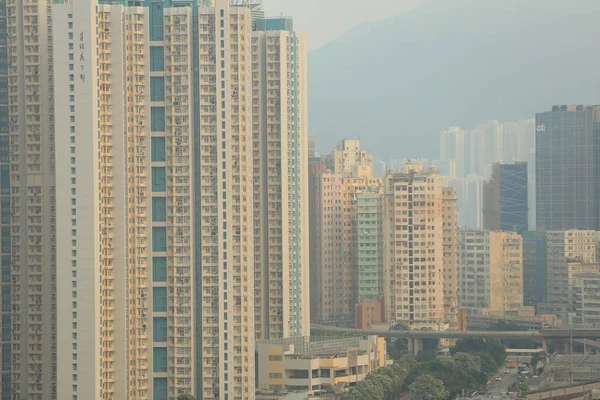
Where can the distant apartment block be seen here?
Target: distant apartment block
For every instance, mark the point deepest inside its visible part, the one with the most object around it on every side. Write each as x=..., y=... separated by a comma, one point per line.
x=466, y=152
x=338, y=259
x=450, y=257
x=490, y=274
x=535, y=284
x=469, y=200
x=568, y=168
x=505, y=198
x=569, y=253
x=413, y=240
x=350, y=160
x=587, y=300
x=346, y=228
x=369, y=236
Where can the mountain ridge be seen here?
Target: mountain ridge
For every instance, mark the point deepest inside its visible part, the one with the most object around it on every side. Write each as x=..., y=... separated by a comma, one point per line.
x=398, y=82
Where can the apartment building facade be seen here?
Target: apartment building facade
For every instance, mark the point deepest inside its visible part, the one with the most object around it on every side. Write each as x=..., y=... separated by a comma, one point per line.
x=413, y=252
x=280, y=145
x=31, y=298
x=450, y=256
x=369, y=234
x=139, y=242
x=569, y=253
x=490, y=273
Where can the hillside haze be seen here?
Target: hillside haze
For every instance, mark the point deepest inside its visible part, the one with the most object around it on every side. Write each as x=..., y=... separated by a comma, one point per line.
x=397, y=83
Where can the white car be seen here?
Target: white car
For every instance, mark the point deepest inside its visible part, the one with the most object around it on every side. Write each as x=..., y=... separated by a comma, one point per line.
x=498, y=378
x=506, y=371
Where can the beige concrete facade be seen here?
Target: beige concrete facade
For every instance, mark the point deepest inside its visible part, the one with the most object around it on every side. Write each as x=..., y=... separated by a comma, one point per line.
x=350, y=161
x=334, y=244
x=280, y=143
x=338, y=243
x=309, y=365
x=569, y=253
x=413, y=246
x=450, y=240
x=490, y=273
x=32, y=356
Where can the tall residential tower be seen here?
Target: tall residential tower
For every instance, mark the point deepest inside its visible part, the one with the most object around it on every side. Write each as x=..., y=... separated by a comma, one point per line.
x=413, y=246
x=280, y=140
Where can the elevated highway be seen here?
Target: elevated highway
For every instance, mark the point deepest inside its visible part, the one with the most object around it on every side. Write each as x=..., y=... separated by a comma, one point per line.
x=562, y=333
x=415, y=337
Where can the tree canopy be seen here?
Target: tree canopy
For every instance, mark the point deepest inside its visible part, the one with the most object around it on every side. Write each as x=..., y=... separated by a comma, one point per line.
x=472, y=362
x=427, y=387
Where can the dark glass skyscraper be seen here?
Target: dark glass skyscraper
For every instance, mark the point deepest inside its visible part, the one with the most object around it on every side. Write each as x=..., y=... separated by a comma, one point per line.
x=505, y=198
x=567, y=168
x=535, y=287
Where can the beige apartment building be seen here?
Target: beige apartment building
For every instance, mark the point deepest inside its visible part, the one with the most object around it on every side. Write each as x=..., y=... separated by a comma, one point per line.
x=569, y=253
x=587, y=299
x=450, y=258
x=490, y=273
x=337, y=262
x=349, y=160
x=413, y=246
x=336, y=232
x=281, y=199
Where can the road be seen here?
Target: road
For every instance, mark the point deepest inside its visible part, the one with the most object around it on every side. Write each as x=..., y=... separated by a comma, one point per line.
x=507, y=380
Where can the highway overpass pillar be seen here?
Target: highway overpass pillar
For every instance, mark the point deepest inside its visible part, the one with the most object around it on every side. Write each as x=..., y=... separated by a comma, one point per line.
x=415, y=346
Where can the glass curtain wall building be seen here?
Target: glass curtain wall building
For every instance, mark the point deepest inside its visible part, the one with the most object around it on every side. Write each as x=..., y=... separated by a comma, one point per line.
x=568, y=168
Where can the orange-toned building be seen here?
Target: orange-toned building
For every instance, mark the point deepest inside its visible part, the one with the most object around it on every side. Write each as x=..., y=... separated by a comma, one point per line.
x=336, y=262
x=369, y=313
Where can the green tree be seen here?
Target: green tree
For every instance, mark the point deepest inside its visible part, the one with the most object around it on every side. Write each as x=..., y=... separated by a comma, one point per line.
x=520, y=388
x=397, y=347
x=427, y=387
x=535, y=360
x=474, y=345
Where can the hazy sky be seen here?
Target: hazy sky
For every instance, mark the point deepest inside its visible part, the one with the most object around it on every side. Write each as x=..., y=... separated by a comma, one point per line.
x=324, y=20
